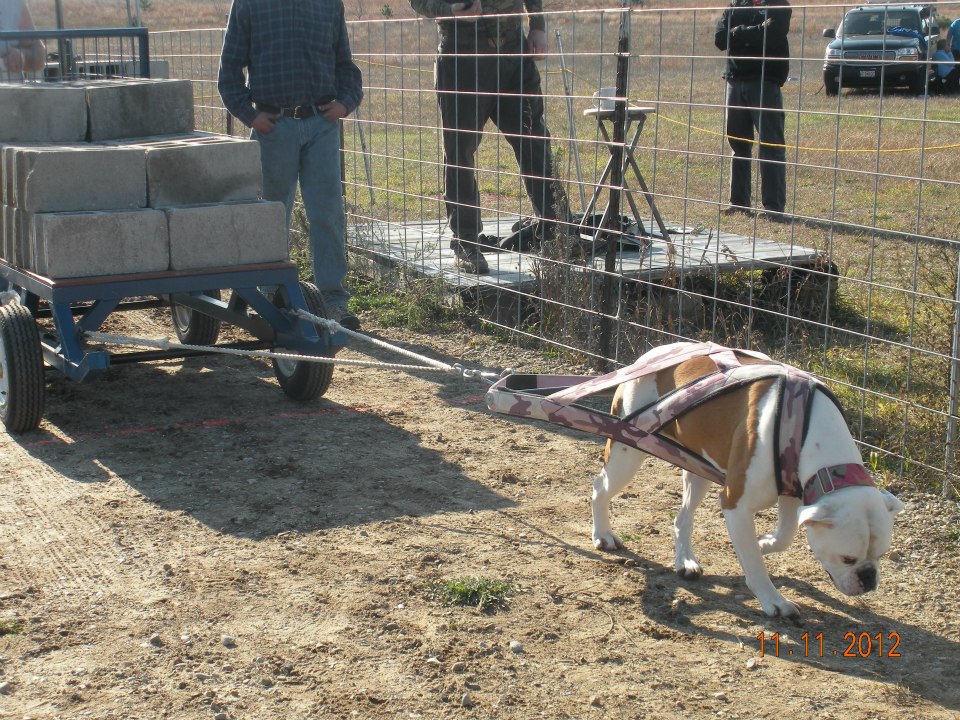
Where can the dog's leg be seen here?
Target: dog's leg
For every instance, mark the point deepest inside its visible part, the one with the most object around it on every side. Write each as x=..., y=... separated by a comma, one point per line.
x=788, y=509
x=621, y=465
x=743, y=534
x=685, y=562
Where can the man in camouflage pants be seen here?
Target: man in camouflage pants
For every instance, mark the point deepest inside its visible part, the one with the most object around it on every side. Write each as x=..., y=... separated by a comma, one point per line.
x=485, y=71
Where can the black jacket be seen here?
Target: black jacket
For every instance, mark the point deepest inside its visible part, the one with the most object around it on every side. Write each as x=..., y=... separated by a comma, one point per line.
x=754, y=50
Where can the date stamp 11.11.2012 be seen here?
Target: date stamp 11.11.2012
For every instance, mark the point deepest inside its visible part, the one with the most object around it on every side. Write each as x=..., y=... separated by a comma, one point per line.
x=852, y=644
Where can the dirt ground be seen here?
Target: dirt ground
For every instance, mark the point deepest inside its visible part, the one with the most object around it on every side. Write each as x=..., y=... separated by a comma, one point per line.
x=180, y=540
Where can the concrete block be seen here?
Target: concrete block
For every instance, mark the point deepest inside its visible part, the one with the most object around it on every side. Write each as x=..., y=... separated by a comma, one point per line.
x=7, y=155
x=138, y=107
x=100, y=243
x=43, y=112
x=6, y=240
x=79, y=177
x=16, y=242
x=203, y=171
x=223, y=235
x=22, y=244
x=170, y=140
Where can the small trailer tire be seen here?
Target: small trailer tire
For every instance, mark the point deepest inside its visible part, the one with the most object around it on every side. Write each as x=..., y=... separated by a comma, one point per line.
x=195, y=328
x=303, y=380
x=21, y=370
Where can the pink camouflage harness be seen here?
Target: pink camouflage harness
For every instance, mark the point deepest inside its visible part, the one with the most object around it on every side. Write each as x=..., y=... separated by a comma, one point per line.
x=553, y=398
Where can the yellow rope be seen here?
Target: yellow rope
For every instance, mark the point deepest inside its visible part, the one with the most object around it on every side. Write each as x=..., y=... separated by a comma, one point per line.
x=810, y=149
x=667, y=118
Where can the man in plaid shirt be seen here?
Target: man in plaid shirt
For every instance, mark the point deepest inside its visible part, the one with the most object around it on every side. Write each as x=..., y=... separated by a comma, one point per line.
x=286, y=72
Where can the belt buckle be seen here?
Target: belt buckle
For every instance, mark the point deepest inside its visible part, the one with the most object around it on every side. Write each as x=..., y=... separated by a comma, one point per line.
x=300, y=112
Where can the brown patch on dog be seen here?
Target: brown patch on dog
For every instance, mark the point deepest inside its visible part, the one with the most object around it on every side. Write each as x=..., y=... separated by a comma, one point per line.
x=616, y=409
x=724, y=429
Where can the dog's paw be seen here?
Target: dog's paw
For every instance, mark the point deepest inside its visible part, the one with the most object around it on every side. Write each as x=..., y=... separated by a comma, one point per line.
x=781, y=607
x=607, y=541
x=770, y=544
x=688, y=569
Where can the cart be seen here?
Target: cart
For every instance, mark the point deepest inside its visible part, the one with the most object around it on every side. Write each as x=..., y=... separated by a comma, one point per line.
x=263, y=301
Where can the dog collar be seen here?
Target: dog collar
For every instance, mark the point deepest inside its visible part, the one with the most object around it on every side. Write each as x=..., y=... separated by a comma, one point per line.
x=833, y=478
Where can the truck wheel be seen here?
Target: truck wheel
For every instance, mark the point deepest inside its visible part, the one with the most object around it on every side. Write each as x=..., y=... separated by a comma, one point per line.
x=195, y=328
x=918, y=85
x=830, y=86
x=21, y=370
x=301, y=379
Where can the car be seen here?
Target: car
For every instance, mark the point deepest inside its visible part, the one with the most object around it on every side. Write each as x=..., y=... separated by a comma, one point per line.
x=881, y=45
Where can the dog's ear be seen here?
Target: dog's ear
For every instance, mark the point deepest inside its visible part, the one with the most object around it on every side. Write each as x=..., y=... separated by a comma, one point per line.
x=893, y=503
x=816, y=514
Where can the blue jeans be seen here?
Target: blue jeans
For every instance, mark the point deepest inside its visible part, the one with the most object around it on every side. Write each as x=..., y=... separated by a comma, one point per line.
x=308, y=151
x=752, y=104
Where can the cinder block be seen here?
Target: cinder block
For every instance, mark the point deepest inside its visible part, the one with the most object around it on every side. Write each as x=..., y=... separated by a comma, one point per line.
x=16, y=242
x=200, y=171
x=209, y=236
x=7, y=153
x=138, y=107
x=43, y=112
x=170, y=140
x=22, y=245
x=100, y=243
x=6, y=241
x=79, y=177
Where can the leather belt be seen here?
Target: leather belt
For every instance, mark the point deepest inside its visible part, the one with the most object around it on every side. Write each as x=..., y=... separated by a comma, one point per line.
x=298, y=112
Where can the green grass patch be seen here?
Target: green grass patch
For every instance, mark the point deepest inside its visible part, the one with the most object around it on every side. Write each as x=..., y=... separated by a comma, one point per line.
x=417, y=304
x=482, y=593
x=10, y=627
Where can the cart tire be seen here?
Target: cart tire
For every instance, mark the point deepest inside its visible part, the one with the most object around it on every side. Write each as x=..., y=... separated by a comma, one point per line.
x=303, y=380
x=21, y=370
x=195, y=328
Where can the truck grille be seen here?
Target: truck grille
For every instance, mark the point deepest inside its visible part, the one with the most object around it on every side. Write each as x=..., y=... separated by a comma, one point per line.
x=869, y=55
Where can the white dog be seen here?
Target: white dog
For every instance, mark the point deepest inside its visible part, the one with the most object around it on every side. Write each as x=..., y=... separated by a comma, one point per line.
x=736, y=434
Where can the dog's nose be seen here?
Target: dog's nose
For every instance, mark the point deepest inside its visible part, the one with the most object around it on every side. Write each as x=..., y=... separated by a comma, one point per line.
x=868, y=577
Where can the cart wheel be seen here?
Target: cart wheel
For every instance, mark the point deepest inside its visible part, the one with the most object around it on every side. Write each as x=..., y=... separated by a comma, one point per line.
x=301, y=379
x=21, y=370
x=195, y=328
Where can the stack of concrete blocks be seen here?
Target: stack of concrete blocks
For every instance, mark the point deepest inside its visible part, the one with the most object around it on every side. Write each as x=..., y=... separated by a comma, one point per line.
x=101, y=178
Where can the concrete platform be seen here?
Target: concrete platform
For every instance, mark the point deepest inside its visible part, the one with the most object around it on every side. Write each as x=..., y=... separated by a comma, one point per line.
x=423, y=248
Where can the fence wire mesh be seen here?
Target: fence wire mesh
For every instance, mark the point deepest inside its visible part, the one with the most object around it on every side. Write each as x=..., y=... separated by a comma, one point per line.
x=859, y=286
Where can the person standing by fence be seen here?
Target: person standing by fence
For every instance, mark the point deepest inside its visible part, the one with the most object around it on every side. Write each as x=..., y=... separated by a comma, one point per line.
x=485, y=70
x=953, y=39
x=754, y=35
x=300, y=81
x=18, y=57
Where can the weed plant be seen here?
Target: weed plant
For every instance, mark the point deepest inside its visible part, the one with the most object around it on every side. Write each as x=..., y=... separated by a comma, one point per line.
x=482, y=593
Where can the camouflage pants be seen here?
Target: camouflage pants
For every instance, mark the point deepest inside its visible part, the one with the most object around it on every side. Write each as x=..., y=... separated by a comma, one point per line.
x=472, y=88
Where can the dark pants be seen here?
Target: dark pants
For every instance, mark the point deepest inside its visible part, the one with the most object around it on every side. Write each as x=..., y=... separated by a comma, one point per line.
x=949, y=83
x=505, y=89
x=755, y=105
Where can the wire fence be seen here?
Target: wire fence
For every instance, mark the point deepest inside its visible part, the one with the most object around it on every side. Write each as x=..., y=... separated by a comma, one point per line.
x=859, y=285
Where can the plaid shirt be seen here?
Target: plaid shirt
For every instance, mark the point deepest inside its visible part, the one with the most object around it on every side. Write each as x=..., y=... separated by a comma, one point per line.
x=295, y=52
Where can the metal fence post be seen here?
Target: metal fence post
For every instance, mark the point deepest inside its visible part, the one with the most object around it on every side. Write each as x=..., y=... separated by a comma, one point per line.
x=948, y=464
x=610, y=282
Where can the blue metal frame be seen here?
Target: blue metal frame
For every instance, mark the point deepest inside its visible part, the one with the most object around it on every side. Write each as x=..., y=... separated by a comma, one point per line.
x=140, y=34
x=271, y=325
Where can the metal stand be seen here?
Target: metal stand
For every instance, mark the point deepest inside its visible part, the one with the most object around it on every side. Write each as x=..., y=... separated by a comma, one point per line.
x=635, y=119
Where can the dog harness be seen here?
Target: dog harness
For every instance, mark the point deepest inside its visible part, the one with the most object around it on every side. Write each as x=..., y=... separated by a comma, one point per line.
x=557, y=399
